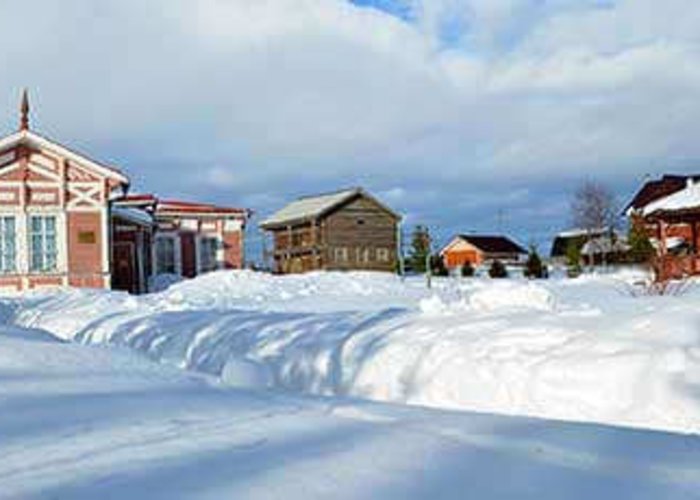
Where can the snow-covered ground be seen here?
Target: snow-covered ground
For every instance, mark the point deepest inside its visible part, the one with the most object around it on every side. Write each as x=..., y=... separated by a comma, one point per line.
x=584, y=350
x=87, y=421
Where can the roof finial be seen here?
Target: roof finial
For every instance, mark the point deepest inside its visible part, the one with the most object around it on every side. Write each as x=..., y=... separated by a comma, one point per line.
x=24, y=110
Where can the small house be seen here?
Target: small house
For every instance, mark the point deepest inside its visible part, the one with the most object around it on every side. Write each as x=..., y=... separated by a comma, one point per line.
x=574, y=238
x=68, y=220
x=346, y=230
x=478, y=249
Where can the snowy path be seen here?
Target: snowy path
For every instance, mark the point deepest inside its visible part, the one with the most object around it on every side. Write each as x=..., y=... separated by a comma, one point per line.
x=81, y=421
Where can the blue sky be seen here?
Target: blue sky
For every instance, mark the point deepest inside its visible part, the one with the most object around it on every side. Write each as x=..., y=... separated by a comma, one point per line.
x=466, y=115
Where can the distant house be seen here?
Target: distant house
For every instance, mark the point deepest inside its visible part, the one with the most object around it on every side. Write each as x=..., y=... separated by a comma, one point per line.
x=478, y=249
x=68, y=220
x=345, y=230
x=576, y=238
x=669, y=208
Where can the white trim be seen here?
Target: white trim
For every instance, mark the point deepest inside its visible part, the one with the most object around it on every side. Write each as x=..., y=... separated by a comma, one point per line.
x=199, y=215
x=106, y=240
x=454, y=241
x=29, y=136
x=10, y=168
x=219, y=251
x=7, y=157
x=84, y=196
x=61, y=241
x=177, y=245
x=40, y=184
x=42, y=170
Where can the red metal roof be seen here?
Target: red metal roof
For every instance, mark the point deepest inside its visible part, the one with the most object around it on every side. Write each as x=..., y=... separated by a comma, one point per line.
x=178, y=206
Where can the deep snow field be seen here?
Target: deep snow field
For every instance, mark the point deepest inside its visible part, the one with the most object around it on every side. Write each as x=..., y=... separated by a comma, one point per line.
x=208, y=390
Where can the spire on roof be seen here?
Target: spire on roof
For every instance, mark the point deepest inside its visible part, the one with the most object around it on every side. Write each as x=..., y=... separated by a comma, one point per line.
x=24, y=111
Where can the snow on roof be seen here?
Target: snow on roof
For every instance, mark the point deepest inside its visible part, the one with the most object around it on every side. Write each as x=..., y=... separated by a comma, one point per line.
x=604, y=245
x=133, y=215
x=687, y=198
x=310, y=207
x=657, y=189
x=573, y=233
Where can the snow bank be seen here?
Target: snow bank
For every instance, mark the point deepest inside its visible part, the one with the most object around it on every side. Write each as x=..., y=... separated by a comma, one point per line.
x=583, y=350
x=86, y=422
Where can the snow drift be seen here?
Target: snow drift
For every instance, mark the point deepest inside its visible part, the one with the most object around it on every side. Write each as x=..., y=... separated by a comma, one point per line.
x=583, y=350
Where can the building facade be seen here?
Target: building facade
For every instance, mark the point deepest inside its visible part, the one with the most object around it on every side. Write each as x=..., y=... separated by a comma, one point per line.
x=167, y=237
x=669, y=209
x=342, y=231
x=475, y=250
x=66, y=220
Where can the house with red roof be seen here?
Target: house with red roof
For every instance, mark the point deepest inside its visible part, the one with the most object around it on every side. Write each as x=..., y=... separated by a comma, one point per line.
x=68, y=220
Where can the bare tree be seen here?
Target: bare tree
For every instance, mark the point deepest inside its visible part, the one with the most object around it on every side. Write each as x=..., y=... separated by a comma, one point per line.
x=594, y=209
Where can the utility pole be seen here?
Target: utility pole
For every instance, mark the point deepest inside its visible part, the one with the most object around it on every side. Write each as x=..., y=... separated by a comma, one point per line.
x=428, y=270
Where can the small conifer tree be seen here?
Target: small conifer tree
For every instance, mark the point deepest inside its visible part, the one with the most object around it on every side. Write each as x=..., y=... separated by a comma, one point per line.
x=468, y=270
x=534, y=269
x=641, y=250
x=498, y=270
x=573, y=259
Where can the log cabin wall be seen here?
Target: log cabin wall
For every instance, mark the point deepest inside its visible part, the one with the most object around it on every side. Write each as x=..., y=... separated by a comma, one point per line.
x=360, y=235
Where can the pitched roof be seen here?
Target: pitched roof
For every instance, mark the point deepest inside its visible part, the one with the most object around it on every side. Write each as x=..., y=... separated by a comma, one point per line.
x=685, y=199
x=312, y=207
x=493, y=243
x=32, y=138
x=654, y=190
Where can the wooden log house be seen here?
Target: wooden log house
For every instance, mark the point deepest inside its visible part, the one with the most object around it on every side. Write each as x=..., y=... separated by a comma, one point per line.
x=346, y=230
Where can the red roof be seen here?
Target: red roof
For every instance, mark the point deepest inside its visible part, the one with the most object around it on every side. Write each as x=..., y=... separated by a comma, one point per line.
x=177, y=206
x=138, y=198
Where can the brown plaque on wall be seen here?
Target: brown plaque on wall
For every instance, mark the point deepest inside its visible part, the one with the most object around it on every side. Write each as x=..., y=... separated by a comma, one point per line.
x=87, y=237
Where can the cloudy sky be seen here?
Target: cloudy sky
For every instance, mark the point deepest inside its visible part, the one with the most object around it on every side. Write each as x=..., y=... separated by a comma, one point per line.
x=462, y=114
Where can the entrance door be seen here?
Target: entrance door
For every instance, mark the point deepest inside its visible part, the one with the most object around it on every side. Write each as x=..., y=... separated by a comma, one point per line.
x=124, y=267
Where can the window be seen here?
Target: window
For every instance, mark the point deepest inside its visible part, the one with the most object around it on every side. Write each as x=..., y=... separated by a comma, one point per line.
x=8, y=248
x=362, y=254
x=382, y=254
x=207, y=254
x=165, y=255
x=42, y=243
x=341, y=254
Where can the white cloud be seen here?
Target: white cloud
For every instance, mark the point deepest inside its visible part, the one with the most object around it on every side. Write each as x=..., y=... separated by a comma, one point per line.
x=282, y=93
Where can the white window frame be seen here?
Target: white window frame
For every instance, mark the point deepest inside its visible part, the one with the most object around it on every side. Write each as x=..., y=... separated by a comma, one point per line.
x=219, y=256
x=177, y=258
x=58, y=234
x=340, y=254
x=14, y=268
